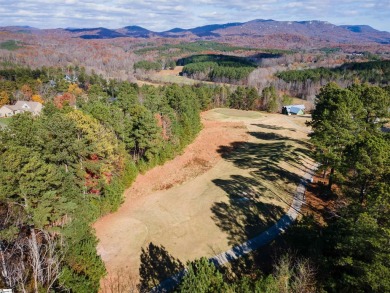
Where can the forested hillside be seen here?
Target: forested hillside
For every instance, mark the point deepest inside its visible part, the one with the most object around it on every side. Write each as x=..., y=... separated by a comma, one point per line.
x=217, y=68
x=61, y=170
x=307, y=82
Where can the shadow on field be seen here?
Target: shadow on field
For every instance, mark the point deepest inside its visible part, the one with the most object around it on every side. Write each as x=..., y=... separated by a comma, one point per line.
x=275, y=136
x=273, y=127
x=157, y=265
x=245, y=216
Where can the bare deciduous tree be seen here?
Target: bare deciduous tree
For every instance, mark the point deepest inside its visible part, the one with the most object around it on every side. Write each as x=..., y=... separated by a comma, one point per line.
x=295, y=276
x=37, y=258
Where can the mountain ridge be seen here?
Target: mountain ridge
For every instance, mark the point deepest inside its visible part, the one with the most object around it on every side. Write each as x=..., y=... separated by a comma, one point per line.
x=293, y=34
x=307, y=29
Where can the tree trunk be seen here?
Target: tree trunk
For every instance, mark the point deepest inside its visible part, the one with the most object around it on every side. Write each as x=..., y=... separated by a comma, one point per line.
x=363, y=190
x=3, y=264
x=331, y=175
x=326, y=168
x=35, y=258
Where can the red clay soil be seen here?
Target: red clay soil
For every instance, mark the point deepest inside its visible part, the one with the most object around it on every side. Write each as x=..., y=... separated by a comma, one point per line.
x=316, y=204
x=197, y=158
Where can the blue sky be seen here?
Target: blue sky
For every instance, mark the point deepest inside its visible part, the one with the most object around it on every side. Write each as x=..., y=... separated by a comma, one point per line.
x=161, y=15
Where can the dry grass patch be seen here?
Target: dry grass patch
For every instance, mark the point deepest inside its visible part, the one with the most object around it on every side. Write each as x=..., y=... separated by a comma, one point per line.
x=234, y=181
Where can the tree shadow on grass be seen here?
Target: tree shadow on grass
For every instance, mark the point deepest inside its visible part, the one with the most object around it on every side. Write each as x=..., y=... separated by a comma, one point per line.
x=273, y=127
x=157, y=265
x=264, y=159
x=275, y=136
x=244, y=216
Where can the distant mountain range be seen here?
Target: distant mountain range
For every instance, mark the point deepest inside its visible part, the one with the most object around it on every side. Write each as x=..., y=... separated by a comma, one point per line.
x=291, y=33
x=140, y=32
x=320, y=30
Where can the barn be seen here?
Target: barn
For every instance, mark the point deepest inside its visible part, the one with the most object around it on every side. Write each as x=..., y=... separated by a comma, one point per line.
x=293, y=110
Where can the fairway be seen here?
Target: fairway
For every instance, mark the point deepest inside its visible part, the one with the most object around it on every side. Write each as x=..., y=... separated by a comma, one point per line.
x=236, y=180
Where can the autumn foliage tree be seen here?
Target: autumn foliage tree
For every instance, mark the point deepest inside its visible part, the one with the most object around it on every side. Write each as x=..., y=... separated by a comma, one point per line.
x=65, y=99
x=75, y=89
x=37, y=98
x=27, y=91
x=4, y=99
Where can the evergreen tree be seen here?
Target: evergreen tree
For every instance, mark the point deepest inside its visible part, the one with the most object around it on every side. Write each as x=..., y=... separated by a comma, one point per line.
x=202, y=276
x=335, y=126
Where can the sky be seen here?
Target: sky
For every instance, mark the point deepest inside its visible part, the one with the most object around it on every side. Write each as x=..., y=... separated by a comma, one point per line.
x=160, y=15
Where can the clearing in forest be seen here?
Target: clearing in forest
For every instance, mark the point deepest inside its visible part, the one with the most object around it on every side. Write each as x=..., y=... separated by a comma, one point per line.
x=168, y=76
x=236, y=180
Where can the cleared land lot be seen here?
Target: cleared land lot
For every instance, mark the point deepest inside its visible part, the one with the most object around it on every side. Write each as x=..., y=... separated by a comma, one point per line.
x=234, y=181
x=169, y=76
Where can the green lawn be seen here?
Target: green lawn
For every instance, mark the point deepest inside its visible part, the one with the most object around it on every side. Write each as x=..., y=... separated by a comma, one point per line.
x=5, y=121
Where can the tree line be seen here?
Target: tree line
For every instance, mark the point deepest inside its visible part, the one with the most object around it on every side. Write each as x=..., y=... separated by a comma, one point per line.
x=351, y=249
x=155, y=66
x=56, y=84
x=173, y=50
x=376, y=72
x=306, y=83
x=217, y=68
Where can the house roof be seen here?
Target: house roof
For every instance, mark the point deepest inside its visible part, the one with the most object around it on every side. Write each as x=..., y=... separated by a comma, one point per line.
x=301, y=107
x=21, y=105
x=296, y=110
x=7, y=107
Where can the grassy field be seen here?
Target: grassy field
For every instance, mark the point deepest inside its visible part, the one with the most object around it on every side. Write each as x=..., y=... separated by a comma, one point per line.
x=4, y=121
x=172, y=79
x=246, y=191
x=172, y=76
x=233, y=114
x=169, y=76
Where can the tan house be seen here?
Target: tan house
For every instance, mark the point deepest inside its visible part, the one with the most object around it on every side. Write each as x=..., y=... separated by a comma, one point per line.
x=21, y=106
x=6, y=111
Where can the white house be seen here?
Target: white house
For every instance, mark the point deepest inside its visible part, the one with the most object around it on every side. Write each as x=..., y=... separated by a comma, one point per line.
x=21, y=106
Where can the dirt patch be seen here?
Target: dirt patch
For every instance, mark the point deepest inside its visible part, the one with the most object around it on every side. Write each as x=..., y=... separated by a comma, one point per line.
x=318, y=203
x=197, y=158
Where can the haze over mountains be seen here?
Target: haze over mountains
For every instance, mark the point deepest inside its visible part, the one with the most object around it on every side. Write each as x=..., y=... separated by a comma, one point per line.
x=258, y=33
x=296, y=31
